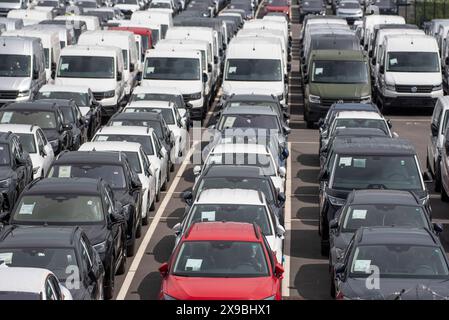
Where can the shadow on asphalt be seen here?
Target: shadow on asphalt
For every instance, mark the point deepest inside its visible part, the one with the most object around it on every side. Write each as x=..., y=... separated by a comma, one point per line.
x=312, y=282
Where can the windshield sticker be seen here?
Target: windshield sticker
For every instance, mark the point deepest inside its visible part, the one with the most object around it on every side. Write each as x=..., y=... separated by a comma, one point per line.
x=229, y=122
x=393, y=61
x=27, y=208
x=89, y=203
x=1, y=148
x=215, y=159
x=64, y=66
x=117, y=123
x=232, y=70
x=318, y=71
x=6, y=117
x=362, y=266
x=150, y=70
x=359, y=163
x=64, y=171
x=6, y=257
x=359, y=214
x=207, y=216
x=142, y=95
x=345, y=161
x=45, y=94
x=193, y=264
x=102, y=138
x=402, y=163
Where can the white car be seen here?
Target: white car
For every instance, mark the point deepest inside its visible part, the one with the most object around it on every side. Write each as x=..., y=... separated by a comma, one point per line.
x=36, y=144
x=245, y=154
x=173, y=119
x=31, y=284
x=236, y=205
x=139, y=163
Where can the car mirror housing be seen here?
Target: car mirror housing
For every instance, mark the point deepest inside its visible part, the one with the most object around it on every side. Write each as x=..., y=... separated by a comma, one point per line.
x=434, y=129
x=177, y=228
x=163, y=269
x=196, y=170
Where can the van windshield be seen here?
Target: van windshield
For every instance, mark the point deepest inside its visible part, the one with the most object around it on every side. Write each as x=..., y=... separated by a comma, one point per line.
x=172, y=69
x=86, y=67
x=13, y=65
x=254, y=70
x=413, y=62
x=331, y=71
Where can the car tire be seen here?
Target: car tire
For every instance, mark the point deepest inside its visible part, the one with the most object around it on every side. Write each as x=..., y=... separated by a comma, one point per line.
x=168, y=174
x=164, y=185
x=444, y=196
x=152, y=207
x=109, y=291
x=131, y=248
x=332, y=291
x=172, y=167
x=437, y=178
x=324, y=249
x=139, y=229
x=122, y=266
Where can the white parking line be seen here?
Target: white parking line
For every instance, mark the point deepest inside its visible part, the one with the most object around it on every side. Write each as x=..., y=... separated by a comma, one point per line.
x=287, y=226
x=157, y=217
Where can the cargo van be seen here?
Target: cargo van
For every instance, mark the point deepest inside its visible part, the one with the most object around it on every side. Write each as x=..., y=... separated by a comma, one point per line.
x=409, y=72
x=50, y=43
x=127, y=44
x=100, y=67
x=181, y=69
x=12, y=23
x=255, y=63
x=260, y=24
x=75, y=28
x=22, y=68
x=144, y=42
x=369, y=22
x=8, y=5
x=153, y=16
x=92, y=23
x=66, y=35
x=30, y=16
x=156, y=29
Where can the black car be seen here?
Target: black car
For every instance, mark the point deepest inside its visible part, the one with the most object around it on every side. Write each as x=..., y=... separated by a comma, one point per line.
x=72, y=118
x=392, y=263
x=152, y=119
x=86, y=102
x=114, y=168
x=16, y=170
x=66, y=251
x=45, y=115
x=88, y=203
x=376, y=208
x=366, y=163
x=237, y=177
x=313, y=7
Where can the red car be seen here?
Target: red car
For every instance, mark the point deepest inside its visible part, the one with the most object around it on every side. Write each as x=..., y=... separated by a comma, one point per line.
x=145, y=34
x=222, y=261
x=278, y=6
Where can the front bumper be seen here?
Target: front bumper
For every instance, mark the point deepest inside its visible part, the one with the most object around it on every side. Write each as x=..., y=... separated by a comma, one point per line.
x=396, y=99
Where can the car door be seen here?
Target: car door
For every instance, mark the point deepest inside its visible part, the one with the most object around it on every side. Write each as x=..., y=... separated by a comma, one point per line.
x=162, y=154
x=81, y=123
x=116, y=231
x=19, y=169
x=48, y=156
x=432, y=146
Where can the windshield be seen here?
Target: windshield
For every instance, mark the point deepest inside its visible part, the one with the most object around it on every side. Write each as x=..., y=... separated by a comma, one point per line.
x=47, y=208
x=349, y=5
x=365, y=172
x=126, y=2
x=156, y=125
x=42, y=119
x=86, y=67
x=339, y=72
x=254, y=70
x=113, y=175
x=231, y=212
x=172, y=69
x=255, y=121
x=81, y=99
x=237, y=183
x=160, y=5
x=4, y=155
x=262, y=161
x=413, y=62
x=145, y=141
x=221, y=259
x=13, y=65
x=177, y=99
x=27, y=141
x=361, y=123
x=378, y=215
x=400, y=261
x=60, y=261
x=134, y=161
x=167, y=113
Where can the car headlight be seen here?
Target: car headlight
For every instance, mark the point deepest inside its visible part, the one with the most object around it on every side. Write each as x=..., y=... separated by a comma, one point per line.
x=365, y=99
x=437, y=87
x=336, y=201
x=35, y=170
x=24, y=93
x=5, y=183
x=270, y=297
x=100, y=247
x=167, y=297
x=390, y=87
x=109, y=94
x=314, y=99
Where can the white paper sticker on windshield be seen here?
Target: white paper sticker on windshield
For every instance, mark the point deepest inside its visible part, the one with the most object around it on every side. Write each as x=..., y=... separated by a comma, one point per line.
x=208, y=216
x=318, y=71
x=393, y=61
x=345, y=161
x=101, y=138
x=141, y=96
x=232, y=70
x=6, y=257
x=45, y=94
x=27, y=208
x=215, y=159
x=6, y=117
x=359, y=163
x=193, y=264
x=150, y=69
x=359, y=214
x=64, y=66
x=64, y=171
x=362, y=266
x=229, y=122
x=1, y=148
x=117, y=123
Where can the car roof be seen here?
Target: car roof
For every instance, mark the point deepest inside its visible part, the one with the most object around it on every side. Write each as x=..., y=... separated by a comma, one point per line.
x=337, y=54
x=61, y=88
x=111, y=146
x=150, y=104
x=233, y=171
x=354, y=106
x=19, y=279
x=373, y=146
x=37, y=236
x=249, y=109
x=359, y=115
x=89, y=157
x=394, y=235
x=125, y=130
x=224, y=231
x=230, y=196
x=19, y=128
x=63, y=186
x=31, y=106
x=253, y=97
x=58, y=102
x=239, y=148
x=359, y=132
x=137, y=116
x=375, y=196
x=157, y=90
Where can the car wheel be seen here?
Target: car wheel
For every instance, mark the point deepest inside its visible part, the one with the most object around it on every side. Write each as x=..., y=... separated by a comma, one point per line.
x=152, y=207
x=139, y=230
x=332, y=289
x=109, y=291
x=444, y=196
x=147, y=213
x=122, y=266
x=437, y=178
x=324, y=248
x=164, y=185
x=172, y=166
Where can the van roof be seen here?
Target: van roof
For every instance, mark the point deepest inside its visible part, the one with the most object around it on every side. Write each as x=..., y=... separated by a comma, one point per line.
x=17, y=44
x=45, y=35
x=183, y=42
x=263, y=47
x=80, y=50
x=188, y=30
x=354, y=55
x=404, y=42
x=172, y=53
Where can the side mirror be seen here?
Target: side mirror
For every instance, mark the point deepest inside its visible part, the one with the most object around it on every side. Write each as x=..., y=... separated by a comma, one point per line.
x=286, y=78
x=53, y=74
x=136, y=184
x=434, y=129
x=281, y=198
x=324, y=175
x=339, y=269
x=278, y=270
x=188, y=197
x=42, y=151
x=289, y=68
x=205, y=77
x=382, y=69
x=446, y=61
x=189, y=105
x=286, y=130
x=115, y=218
x=119, y=76
x=306, y=79
x=320, y=122
x=209, y=67
x=67, y=127
x=282, y=172
x=285, y=153
x=177, y=229
x=197, y=170
x=4, y=216
x=220, y=52
x=370, y=54
x=427, y=177
x=333, y=224
x=139, y=76
x=373, y=61
x=163, y=269
x=438, y=228
x=280, y=231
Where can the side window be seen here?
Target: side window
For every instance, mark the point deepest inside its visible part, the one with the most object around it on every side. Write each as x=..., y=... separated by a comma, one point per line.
x=87, y=259
x=55, y=284
x=157, y=144
x=49, y=291
x=108, y=202
x=146, y=164
x=437, y=113
x=42, y=136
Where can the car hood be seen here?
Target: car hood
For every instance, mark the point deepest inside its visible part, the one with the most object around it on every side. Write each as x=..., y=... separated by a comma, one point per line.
x=185, y=86
x=51, y=134
x=415, y=289
x=95, y=233
x=349, y=11
x=340, y=91
x=272, y=87
x=342, y=240
x=405, y=78
x=185, y=288
x=15, y=83
x=6, y=172
x=124, y=7
x=96, y=85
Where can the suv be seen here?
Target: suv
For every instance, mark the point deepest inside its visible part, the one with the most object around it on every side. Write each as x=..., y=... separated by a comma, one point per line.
x=334, y=76
x=88, y=203
x=70, y=251
x=366, y=163
x=16, y=170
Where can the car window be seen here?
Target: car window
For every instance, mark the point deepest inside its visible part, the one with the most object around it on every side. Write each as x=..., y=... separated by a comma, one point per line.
x=55, y=284
x=108, y=203
x=146, y=165
x=156, y=143
x=437, y=113
x=42, y=135
x=87, y=259
x=49, y=292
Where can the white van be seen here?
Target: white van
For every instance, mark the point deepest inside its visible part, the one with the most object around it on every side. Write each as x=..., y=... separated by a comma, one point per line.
x=30, y=16
x=8, y=5
x=50, y=43
x=92, y=22
x=255, y=63
x=99, y=67
x=121, y=39
x=260, y=24
x=369, y=22
x=409, y=71
x=156, y=17
x=180, y=69
x=66, y=35
x=206, y=56
x=11, y=23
